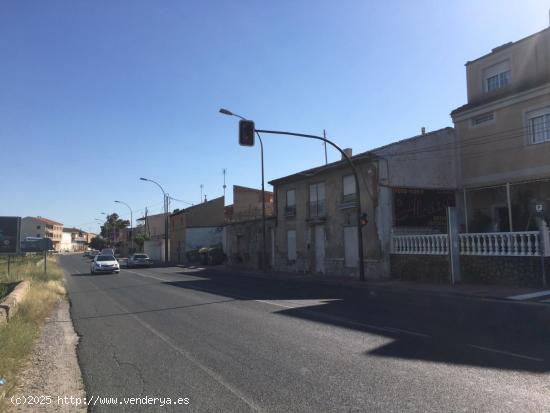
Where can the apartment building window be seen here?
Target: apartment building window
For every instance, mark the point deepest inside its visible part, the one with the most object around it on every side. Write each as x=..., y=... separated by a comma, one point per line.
x=317, y=200
x=497, y=76
x=348, y=189
x=291, y=244
x=538, y=124
x=290, y=208
x=483, y=119
x=38, y=227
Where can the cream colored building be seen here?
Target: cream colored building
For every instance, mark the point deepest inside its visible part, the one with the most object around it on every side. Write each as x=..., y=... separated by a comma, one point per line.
x=42, y=228
x=504, y=137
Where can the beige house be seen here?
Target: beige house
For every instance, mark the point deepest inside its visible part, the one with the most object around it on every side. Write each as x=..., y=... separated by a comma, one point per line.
x=177, y=236
x=42, y=228
x=504, y=137
x=75, y=239
x=316, y=230
x=247, y=204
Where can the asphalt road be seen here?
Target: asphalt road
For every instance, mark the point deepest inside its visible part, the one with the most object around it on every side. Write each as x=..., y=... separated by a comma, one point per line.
x=233, y=343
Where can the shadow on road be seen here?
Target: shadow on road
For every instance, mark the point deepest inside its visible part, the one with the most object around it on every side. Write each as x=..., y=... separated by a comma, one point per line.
x=441, y=329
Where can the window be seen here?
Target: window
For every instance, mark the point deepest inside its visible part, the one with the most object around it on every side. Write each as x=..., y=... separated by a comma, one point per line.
x=497, y=76
x=348, y=188
x=538, y=125
x=290, y=209
x=38, y=227
x=317, y=200
x=291, y=244
x=481, y=119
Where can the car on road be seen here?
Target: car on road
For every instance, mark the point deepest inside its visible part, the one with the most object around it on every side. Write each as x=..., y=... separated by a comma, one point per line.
x=139, y=260
x=93, y=254
x=105, y=264
x=108, y=251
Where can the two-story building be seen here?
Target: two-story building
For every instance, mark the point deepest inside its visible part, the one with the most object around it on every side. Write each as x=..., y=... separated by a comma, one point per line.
x=402, y=190
x=42, y=228
x=503, y=136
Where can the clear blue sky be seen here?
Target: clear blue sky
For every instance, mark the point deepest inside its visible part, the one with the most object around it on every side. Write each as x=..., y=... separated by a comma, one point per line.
x=95, y=94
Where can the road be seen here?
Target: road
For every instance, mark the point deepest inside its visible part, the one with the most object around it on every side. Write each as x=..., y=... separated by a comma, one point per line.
x=233, y=343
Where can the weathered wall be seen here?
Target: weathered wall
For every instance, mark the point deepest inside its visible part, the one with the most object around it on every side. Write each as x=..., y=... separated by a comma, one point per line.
x=244, y=243
x=207, y=214
x=199, y=237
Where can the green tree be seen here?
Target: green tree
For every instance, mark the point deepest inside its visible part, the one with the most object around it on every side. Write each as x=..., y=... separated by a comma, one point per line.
x=98, y=243
x=112, y=225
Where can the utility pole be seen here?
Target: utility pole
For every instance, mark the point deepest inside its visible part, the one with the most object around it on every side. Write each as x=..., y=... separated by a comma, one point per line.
x=246, y=135
x=201, y=194
x=224, y=172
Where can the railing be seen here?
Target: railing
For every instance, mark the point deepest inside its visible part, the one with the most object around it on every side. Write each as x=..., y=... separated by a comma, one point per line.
x=436, y=244
x=500, y=243
x=503, y=244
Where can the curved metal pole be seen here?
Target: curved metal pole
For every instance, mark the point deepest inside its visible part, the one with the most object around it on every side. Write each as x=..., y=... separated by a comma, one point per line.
x=165, y=217
x=131, y=222
x=264, y=246
x=357, y=189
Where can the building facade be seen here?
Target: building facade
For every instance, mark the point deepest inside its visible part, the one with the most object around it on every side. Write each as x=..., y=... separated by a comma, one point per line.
x=504, y=138
x=400, y=190
x=42, y=228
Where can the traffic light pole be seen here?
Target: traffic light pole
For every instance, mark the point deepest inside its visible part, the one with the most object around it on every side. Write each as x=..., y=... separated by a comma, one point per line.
x=357, y=189
x=263, y=260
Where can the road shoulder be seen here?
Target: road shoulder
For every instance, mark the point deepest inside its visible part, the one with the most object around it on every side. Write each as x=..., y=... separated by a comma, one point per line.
x=52, y=368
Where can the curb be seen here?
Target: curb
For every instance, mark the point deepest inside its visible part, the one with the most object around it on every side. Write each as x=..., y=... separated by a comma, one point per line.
x=367, y=286
x=8, y=306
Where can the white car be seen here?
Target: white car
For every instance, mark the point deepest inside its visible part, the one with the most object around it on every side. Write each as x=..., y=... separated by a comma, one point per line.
x=139, y=260
x=105, y=263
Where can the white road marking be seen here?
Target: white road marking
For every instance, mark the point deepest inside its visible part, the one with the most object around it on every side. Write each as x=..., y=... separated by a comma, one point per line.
x=530, y=295
x=327, y=316
x=492, y=350
x=169, y=342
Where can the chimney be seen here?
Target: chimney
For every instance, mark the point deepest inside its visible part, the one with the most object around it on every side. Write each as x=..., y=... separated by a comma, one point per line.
x=348, y=152
x=423, y=130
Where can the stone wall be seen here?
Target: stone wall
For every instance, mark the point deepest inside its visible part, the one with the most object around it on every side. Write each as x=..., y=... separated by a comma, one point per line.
x=517, y=271
x=520, y=271
x=424, y=268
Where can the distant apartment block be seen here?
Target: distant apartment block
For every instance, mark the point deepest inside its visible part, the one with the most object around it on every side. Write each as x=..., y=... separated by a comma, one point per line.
x=42, y=228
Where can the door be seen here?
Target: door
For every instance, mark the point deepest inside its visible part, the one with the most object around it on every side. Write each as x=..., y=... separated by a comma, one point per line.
x=320, y=248
x=351, y=257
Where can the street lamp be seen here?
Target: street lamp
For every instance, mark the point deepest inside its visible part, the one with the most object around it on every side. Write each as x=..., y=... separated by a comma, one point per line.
x=264, y=247
x=360, y=216
x=131, y=222
x=165, y=216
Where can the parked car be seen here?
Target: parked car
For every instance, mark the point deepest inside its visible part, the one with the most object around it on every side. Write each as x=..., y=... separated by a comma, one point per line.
x=139, y=260
x=104, y=263
x=93, y=254
x=86, y=253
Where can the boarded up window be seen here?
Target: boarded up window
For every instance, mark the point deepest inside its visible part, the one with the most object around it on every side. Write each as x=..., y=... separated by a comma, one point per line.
x=291, y=244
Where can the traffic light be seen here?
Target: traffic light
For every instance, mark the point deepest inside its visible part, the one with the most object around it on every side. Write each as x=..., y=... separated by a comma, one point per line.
x=246, y=133
x=364, y=219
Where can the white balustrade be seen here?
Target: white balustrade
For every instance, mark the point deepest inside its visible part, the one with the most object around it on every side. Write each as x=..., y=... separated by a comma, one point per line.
x=524, y=244
x=435, y=244
x=505, y=244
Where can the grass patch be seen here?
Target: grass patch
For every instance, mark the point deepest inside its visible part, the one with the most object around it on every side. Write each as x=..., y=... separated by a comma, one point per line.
x=17, y=337
x=6, y=288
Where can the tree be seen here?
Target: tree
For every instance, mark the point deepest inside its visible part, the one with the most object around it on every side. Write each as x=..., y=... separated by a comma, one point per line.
x=112, y=225
x=98, y=243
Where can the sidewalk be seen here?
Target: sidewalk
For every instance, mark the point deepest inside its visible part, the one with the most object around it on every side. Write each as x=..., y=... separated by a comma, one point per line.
x=468, y=290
